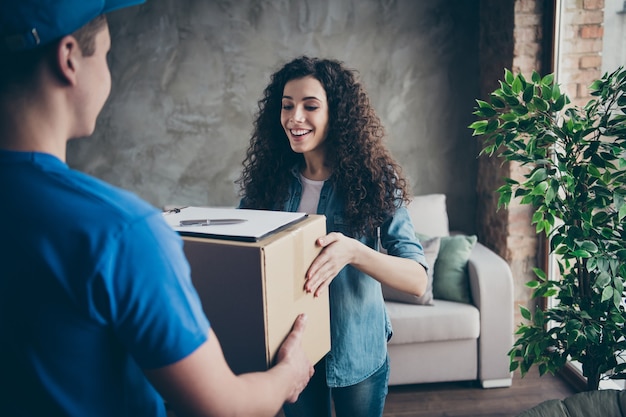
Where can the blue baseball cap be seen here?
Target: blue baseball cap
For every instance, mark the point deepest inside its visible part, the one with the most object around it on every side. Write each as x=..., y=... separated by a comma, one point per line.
x=27, y=24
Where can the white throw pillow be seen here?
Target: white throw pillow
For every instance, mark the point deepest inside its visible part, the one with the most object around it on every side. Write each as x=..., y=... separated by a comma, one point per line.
x=429, y=215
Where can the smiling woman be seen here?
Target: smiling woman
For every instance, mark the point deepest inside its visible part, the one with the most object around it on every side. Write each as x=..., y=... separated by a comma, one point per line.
x=317, y=147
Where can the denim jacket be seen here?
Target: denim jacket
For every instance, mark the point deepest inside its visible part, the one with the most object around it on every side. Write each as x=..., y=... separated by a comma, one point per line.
x=359, y=325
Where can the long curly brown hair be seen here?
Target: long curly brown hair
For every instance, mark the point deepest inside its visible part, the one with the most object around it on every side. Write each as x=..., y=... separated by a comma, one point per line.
x=363, y=171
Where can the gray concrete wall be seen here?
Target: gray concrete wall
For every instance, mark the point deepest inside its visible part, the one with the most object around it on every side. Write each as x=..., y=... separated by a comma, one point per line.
x=187, y=75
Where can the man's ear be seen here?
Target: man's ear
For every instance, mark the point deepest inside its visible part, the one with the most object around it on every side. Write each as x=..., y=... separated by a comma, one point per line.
x=66, y=59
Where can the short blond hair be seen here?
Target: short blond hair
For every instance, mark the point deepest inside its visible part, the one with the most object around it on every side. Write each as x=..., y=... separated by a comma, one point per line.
x=86, y=35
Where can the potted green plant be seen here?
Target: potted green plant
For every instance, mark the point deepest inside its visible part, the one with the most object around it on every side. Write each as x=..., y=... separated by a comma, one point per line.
x=576, y=183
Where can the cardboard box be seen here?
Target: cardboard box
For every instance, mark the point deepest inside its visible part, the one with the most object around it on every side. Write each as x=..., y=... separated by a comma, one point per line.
x=252, y=292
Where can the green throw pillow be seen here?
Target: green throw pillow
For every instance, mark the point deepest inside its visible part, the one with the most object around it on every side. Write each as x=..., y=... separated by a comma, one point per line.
x=451, y=279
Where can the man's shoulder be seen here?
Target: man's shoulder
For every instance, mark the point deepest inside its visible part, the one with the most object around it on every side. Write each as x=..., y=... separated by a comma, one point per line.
x=90, y=200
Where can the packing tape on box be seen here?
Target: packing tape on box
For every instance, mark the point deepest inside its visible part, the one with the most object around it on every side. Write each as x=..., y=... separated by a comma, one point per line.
x=299, y=275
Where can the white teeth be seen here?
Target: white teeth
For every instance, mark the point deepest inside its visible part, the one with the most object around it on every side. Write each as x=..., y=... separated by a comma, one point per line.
x=299, y=132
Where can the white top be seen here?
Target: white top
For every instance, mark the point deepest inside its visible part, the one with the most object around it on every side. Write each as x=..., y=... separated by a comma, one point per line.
x=311, y=190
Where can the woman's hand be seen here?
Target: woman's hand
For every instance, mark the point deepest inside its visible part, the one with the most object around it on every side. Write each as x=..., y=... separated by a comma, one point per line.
x=338, y=251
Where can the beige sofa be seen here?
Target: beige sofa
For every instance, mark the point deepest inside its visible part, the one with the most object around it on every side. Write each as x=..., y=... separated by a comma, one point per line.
x=452, y=340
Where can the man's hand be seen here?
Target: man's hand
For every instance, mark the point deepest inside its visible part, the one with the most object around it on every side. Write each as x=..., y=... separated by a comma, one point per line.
x=291, y=354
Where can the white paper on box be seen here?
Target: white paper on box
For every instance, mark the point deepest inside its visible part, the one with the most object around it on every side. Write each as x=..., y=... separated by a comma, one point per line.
x=257, y=224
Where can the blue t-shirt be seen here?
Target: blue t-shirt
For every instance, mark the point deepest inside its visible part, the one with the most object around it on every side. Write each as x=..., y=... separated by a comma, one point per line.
x=94, y=287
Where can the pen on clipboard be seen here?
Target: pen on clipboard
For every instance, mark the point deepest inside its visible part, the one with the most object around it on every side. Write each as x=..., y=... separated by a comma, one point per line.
x=210, y=222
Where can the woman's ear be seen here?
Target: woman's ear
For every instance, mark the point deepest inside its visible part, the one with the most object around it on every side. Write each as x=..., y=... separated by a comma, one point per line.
x=67, y=59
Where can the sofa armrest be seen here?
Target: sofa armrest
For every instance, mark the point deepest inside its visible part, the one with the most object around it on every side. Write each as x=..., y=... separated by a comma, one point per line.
x=491, y=284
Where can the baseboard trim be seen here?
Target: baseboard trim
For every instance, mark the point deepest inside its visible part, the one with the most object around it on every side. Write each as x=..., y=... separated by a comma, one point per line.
x=496, y=383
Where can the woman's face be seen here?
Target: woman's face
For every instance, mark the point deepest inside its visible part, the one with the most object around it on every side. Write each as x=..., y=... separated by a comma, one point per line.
x=304, y=114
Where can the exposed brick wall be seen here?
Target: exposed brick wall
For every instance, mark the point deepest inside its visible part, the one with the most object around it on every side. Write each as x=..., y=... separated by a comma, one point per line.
x=522, y=238
x=512, y=33
x=496, y=53
x=581, y=47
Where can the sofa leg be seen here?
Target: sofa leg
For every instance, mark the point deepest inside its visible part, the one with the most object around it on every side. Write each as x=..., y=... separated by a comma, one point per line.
x=496, y=383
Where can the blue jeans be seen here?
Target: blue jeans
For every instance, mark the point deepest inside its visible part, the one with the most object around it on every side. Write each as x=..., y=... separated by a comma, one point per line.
x=365, y=399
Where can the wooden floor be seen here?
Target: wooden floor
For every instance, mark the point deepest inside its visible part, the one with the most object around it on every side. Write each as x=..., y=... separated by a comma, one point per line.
x=466, y=399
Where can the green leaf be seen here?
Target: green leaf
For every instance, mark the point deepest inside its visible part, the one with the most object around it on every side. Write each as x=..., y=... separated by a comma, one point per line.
x=556, y=92
x=541, y=226
x=483, y=104
x=539, y=319
x=617, y=298
x=550, y=293
x=540, y=273
x=540, y=189
x=532, y=284
x=589, y=246
x=485, y=109
x=559, y=103
x=551, y=193
x=492, y=126
x=517, y=85
x=548, y=79
x=512, y=101
x=508, y=76
x=525, y=312
x=542, y=105
x=479, y=127
x=596, y=85
x=607, y=294
x=487, y=112
x=602, y=280
x=622, y=213
x=508, y=117
x=510, y=125
x=535, y=77
x=520, y=110
x=594, y=171
x=497, y=102
x=538, y=174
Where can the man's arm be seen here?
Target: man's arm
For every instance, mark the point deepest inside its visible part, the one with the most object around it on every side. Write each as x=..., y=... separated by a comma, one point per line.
x=202, y=383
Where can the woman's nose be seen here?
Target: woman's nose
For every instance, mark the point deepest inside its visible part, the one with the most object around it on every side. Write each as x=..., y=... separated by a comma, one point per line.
x=297, y=115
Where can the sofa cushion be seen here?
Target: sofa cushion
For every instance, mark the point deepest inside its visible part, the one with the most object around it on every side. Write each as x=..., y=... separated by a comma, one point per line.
x=451, y=280
x=602, y=403
x=449, y=320
x=429, y=214
x=431, y=249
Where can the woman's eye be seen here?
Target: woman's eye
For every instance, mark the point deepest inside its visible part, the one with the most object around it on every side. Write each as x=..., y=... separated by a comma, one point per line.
x=311, y=108
x=287, y=107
